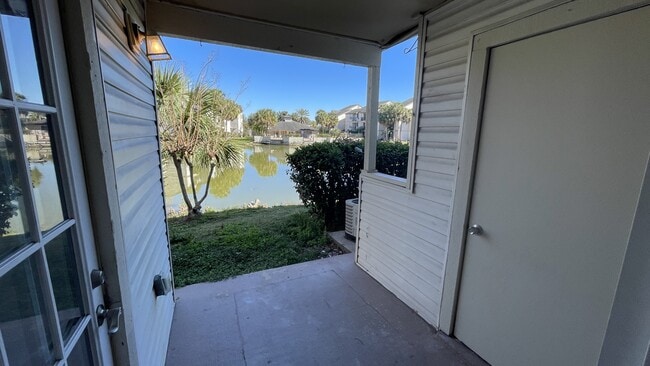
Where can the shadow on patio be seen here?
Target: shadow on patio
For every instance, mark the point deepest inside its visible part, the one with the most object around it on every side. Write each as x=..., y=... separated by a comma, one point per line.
x=324, y=312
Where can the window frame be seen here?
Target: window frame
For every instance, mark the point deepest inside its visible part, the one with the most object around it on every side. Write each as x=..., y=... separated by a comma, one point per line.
x=372, y=120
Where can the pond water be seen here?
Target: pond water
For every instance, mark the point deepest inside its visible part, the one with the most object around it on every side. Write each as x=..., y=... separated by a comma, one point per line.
x=263, y=176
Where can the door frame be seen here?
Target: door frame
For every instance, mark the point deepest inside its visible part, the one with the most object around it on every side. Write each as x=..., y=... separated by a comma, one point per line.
x=553, y=17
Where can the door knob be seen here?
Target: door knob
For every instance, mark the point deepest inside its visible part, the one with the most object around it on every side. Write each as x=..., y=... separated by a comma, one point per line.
x=475, y=230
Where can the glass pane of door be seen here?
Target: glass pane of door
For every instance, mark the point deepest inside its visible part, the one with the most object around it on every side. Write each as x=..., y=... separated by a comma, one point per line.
x=65, y=282
x=80, y=355
x=14, y=230
x=22, y=53
x=27, y=337
x=43, y=167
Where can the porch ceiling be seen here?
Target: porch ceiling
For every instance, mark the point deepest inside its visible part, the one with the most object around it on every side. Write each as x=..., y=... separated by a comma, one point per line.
x=352, y=31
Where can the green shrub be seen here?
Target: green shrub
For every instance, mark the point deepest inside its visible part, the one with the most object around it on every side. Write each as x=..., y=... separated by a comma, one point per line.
x=327, y=173
x=393, y=158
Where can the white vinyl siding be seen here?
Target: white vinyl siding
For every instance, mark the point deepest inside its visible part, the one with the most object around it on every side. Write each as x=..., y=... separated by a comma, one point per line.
x=403, y=237
x=128, y=88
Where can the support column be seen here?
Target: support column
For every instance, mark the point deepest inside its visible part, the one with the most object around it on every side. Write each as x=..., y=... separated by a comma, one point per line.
x=372, y=119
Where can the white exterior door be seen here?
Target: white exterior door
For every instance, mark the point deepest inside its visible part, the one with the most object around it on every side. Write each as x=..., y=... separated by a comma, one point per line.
x=564, y=144
x=47, y=304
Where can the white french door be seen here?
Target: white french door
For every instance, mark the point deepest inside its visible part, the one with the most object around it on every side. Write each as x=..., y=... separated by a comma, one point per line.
x=46, y=250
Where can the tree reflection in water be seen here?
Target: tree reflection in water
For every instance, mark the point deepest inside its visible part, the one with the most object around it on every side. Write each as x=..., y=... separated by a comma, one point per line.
x=262, y=162
x=225, y=181
x=222, y=181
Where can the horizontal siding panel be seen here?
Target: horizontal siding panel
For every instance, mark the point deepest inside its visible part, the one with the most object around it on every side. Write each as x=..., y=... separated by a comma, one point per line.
x=453, y=85
x=401, y=288
x=442, y=181
x=134, y=171
x=440, y=118
x=385, y=216
x=121, y=103
x=379, y=236
x=153, y=226
x=441, y=196
x=440, y=150
x=126, y=151
x=119, y=78
x=143, y=294
x=436, y=74
x=425, y=272
x=149, y=203
x=418, y=205
x=439, y=134
x=447, y=64
x=445, y=166
x=442, y=103
x=427, y=221
x=122, y=56
x=448, y=52
x=131, y=195
x=128, y=127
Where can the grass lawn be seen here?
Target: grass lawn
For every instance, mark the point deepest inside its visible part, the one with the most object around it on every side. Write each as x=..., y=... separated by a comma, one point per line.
x=219, y=245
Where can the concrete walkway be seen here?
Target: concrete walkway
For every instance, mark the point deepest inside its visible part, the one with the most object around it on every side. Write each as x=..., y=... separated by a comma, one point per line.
x=324, y=312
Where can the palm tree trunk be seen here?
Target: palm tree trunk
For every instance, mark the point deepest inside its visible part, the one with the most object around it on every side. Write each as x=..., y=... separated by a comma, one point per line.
x=207, y=187
x=179, y=173
x=191, y=167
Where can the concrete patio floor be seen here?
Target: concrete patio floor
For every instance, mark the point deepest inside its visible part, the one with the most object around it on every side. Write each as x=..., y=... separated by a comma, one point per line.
x=324, y=312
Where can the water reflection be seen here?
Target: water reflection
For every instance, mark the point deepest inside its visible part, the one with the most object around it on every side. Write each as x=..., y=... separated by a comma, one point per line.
x=262, y=162
x=263, y=176
x=224, y=182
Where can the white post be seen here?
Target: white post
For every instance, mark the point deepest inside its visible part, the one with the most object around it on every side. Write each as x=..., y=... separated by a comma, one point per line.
x=372, y=119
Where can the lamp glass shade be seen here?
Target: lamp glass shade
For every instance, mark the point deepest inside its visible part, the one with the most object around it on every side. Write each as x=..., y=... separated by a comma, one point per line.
x=156, y=50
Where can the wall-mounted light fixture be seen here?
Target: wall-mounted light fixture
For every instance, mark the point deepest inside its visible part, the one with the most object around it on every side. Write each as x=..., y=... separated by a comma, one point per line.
x=156, y=50
x=154, y=47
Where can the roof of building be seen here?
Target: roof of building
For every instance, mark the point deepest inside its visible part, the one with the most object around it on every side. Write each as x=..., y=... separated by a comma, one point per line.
x=291, y=126
x=348, y=109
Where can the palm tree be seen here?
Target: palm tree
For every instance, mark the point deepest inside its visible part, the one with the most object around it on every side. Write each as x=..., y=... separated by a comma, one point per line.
x=189, y=134
x=391, y=114
x=300, y=115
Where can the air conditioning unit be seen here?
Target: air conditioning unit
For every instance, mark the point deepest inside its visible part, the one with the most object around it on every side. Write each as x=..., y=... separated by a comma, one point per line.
x=351, y=215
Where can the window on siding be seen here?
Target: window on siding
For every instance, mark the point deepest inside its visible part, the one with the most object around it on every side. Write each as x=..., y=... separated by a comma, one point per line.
x=396, y=90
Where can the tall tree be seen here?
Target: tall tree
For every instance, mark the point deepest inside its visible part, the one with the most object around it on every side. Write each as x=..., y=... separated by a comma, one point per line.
x=187, y=112
x=282, y=115
x=225, y=109
x=262, y=120
x=327, y=120
x=301, y=115
x=391, y=114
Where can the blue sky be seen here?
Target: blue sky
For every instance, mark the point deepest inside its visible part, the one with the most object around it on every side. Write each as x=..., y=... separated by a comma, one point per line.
x=282, y=82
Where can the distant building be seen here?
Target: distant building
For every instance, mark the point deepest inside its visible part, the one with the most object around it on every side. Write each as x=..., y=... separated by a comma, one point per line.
x=353, y=117
x=235, y=126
